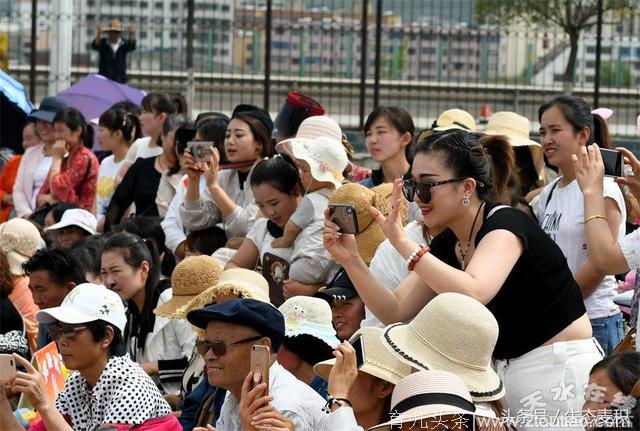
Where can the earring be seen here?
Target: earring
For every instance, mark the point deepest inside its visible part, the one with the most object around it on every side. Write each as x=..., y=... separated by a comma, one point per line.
x=466, y=201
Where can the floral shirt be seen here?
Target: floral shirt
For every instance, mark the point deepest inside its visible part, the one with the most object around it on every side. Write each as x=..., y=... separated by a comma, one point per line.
x=77, y=180
x=124, y=394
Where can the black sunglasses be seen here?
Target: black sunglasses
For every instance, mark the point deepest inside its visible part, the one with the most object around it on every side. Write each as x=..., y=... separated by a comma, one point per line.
x=69, y=331
x=219, y=347
x=412, y=187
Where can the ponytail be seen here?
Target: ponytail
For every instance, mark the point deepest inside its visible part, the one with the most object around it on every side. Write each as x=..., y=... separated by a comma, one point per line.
x=502, y=159
x=119, y=119
x=601, y=134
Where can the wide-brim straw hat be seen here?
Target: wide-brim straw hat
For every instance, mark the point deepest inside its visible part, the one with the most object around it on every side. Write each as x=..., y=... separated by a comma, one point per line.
x=378, y=361
x=370, y=234
x=428, y=394
x=453, y=332
x=455, y=119
x=190, y=278
x=235, y=281
x=515, y=127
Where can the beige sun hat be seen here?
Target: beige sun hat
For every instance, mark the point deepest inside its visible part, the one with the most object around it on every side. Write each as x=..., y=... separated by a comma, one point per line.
x=311, y=128
x=428, y=394
x=234, y=281
x=114, y=25
x=455, y=119
x=190, y=277
x=19, y=240
x=513, y=126
x=378, y=361
x=370, y=234
x=306, y=315
x=453, y=332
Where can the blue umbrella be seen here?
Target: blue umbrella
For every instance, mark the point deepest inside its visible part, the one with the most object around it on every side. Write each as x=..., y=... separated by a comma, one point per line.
x=14, y=108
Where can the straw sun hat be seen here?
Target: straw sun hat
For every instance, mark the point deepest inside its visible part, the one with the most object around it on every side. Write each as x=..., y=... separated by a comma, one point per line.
x=428, y=394
x=453, y=332
x=190, y=277
x=235, y=281
x=455, y=119
x=370, y=235
x=378, y=361
x=513, y=126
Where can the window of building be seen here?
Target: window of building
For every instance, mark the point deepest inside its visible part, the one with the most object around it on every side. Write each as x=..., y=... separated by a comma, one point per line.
x=591, y=49
x=624, y=51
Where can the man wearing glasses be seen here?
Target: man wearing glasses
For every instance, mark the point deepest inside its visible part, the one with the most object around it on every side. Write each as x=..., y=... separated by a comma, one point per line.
x=232, y=327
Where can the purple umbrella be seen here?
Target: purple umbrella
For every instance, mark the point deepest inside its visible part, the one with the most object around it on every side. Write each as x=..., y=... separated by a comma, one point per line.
x=95, y=94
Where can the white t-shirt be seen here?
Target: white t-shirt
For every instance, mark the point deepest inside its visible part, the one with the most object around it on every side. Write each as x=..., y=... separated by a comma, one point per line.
x=108, y=180
x=389, y=268
x=311, y=208
x=39, y=176
x=563, y=220
x=140, y=149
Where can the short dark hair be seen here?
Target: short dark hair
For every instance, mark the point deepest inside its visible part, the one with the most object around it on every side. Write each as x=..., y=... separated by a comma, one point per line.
x=207, y=240
x=279, y=171
x=74, y=120
x=309, y=348
x=98, y=329
x=88, y=252
x=61, y=265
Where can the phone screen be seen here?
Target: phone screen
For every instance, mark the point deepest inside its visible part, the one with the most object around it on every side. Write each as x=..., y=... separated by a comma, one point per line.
x=612, y=162
x=358, y=346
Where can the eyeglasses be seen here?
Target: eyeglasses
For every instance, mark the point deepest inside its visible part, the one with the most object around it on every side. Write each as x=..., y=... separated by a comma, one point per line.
x=412, y=187
x=219, y=347
x=69, y=331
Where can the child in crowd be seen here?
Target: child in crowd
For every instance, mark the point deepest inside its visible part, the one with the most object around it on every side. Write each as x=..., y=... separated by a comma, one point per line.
x=321, y=162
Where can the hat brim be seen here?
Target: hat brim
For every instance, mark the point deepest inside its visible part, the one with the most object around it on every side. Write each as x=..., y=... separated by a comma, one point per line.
x=515, y=141
x=422, y=412
x=64, y=315
x=205, y=298
x=298, y=152
x=323, y=369
x=284, y=146
x=170, y=308
x=451, y=127
x=39, y=114
x=336, y=293
x=68, y=223
x=368, y=241
x=484, y=384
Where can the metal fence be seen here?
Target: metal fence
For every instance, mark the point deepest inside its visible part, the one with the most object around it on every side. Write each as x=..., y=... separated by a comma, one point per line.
x=352, y=55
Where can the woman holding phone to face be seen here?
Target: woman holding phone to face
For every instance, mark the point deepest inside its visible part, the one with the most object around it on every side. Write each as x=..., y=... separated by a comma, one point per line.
x=566, y=126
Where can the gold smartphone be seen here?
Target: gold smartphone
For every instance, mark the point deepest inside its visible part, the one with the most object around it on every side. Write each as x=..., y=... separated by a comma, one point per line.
x=7, y=368
x=260, y=363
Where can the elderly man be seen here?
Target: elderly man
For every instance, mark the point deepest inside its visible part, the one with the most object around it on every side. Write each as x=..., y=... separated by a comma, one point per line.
x=113, y=51
x=232, y=327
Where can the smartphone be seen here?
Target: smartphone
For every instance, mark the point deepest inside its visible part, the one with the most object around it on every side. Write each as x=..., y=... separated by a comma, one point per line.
x=345, y=217
x=183, y=136
x=201, y=150
x=358, y=345
x=7, y=368
x=260, y=363
x=613, y=162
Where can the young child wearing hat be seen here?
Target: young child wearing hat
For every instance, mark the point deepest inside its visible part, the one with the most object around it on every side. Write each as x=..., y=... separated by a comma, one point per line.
x=321, y=162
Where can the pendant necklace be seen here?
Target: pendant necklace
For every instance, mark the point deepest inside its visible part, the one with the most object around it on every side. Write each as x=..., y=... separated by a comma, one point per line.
x=463, y=252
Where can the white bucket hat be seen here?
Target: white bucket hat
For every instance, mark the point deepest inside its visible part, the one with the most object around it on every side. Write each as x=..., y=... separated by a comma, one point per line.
x=428, y=394
x=19, y=240
x=310, y=129
x=326, y=157
x=378, y=361
x=513, y=126
x=453, y=332
x=306, y=315
x=455, y=119
x=77, y=217
x=87, y=302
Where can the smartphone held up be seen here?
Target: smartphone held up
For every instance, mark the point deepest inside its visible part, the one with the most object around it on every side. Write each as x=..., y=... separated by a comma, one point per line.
x=7, y=368
x=345, y=217
x=260, y=364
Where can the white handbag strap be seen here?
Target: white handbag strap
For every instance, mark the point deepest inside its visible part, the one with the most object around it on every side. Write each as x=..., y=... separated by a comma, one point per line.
x=494, y=209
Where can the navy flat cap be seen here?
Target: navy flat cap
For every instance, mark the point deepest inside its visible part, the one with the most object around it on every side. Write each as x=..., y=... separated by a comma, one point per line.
x=48, y=108
x=259, y=315
x=255, y=112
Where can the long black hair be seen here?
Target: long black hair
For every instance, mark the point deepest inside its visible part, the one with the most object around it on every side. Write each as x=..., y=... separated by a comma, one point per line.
x=134, y=251
x=74, y=120
x=280, y=172
x=119, y=119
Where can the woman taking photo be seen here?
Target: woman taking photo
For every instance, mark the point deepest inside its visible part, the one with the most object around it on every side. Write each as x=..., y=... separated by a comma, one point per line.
x=228, y=198
x=566, y=125
x=161, y=346
x=275, y=184
x=73, y=175
x=495, y=254
x=106, y=387
x=118, y=129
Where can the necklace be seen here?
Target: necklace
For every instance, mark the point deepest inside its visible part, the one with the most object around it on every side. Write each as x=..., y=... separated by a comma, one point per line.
x=463, y=252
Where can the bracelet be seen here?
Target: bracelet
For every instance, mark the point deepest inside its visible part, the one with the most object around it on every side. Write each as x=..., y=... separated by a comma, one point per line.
x=593, y=217
x=341, y=402
x=416, y=255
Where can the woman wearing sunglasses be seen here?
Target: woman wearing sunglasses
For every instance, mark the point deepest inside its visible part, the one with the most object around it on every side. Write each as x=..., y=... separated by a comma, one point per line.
x=495, y=254
x=106, y=388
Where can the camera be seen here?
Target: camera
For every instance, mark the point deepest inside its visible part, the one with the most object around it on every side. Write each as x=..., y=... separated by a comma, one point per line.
x=200, y=150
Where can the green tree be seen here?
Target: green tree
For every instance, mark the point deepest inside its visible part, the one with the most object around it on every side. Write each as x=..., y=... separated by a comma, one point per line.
x=616, y=74
x=573, y=16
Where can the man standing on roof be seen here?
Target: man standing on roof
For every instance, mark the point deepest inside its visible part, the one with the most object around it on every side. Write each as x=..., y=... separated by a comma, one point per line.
x=113, y=51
